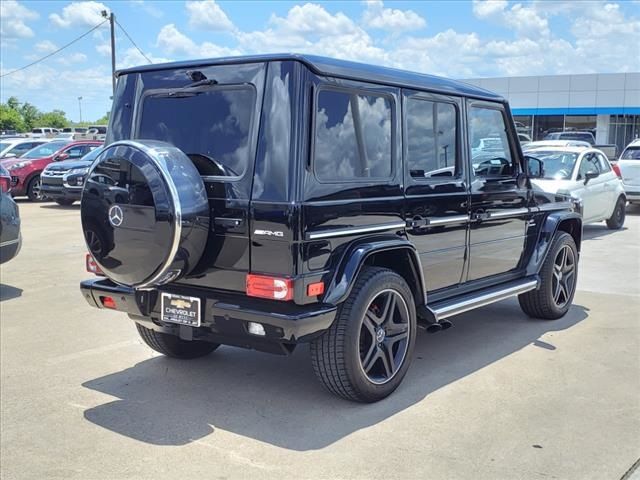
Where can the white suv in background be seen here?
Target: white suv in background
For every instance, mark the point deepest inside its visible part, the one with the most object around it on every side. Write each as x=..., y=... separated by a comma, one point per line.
x=583, y=173
x=629, y=165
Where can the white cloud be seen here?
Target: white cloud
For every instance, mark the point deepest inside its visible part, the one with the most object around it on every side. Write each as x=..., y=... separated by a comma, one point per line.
x=86, y=14
x=45, y=46
x=524, y=20
x=391, y=19
x=313, y=19
x=207, y=15
x=310, y=28
x=13, y=18
x=173, y=42
x=131, y=57
x=488, y=8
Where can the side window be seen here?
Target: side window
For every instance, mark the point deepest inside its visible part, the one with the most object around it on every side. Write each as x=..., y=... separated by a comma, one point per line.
x=76, y=152
x=603, y=163
x=589, y=164
x=489, y=144
x=352, y=136
x=431, y=139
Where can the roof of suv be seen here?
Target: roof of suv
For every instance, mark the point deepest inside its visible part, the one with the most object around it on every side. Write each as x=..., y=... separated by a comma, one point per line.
x=339, y=68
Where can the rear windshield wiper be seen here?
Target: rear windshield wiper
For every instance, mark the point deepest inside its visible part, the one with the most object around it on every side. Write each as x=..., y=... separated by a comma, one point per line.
x=184, y=91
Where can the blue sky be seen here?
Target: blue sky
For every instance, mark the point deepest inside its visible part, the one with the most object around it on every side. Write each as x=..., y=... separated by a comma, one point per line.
x=460, y=39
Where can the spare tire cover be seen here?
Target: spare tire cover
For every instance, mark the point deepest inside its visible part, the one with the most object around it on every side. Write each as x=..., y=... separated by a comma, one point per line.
x=145, y=213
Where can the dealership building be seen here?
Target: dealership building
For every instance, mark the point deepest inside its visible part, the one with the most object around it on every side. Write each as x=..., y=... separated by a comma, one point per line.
x=606, y=104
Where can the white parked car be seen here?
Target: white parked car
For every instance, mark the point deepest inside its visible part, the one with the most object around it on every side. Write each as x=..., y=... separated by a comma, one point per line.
x=16, y=147
x=629, y=166
x=43, y=132
x=583, y=173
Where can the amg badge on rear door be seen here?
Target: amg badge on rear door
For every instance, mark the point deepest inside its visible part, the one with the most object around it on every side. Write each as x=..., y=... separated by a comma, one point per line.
x=270, y=233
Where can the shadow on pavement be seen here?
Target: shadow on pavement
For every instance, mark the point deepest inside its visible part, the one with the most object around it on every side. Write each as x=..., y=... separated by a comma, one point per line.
x=277, y=400
x=597, y=230
x=7, y=292
x=55, y=206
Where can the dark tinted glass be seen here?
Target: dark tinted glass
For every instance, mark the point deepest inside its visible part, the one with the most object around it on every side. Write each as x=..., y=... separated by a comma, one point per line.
x=353, y=136
x=631, y=153
x=209, y=126
x=431, y=139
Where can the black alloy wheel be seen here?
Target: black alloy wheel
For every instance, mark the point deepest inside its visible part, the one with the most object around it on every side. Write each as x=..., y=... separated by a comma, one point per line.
x=367, y=351
x=384, y=336
x=558, y=279
x=564, y=278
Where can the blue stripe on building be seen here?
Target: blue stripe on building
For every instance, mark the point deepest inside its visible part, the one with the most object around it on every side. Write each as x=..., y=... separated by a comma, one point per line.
x=577, y=111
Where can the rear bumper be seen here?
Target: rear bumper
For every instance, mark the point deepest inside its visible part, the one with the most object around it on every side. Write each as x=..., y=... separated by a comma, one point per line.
x=225, y=316
x=632, y=193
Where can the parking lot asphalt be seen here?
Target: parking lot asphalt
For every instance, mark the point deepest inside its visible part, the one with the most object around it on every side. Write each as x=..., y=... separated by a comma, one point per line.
x=499, y=396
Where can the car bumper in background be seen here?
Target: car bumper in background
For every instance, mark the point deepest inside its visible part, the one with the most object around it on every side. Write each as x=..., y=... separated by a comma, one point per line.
x=60, y=192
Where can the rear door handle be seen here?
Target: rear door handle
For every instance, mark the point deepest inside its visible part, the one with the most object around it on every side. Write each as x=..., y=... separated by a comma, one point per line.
x=228, y=222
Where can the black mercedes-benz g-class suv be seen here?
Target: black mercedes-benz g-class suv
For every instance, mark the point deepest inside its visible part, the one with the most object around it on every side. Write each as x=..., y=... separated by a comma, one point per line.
x=267, y=201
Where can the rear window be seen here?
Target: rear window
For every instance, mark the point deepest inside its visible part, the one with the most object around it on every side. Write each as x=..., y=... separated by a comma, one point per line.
x=211, y=126
x=631, y=153
x=45, y=150
x=352, y=136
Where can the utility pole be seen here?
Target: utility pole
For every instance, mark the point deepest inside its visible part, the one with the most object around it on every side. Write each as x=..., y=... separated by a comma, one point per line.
x=112, y=21
x=80, y=107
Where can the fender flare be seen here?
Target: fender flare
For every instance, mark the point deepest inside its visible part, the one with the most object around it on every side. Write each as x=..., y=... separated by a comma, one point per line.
x=552, y=223
x=354, y=258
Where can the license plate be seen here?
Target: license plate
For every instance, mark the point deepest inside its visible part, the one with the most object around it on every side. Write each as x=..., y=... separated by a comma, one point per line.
x=180, y=309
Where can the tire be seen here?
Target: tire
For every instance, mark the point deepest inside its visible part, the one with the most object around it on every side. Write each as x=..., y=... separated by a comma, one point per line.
x=550, y=302
x=65, y=202
x=33, y=189
x=616, y=221
x=173, y=346
x=353, y=359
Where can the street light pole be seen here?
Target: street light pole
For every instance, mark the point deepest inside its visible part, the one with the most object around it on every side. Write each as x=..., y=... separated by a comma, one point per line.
x=80, y=107
x=112, y=21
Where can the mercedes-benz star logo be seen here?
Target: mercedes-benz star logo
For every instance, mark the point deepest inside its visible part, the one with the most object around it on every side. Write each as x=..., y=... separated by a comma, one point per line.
x=115, y=216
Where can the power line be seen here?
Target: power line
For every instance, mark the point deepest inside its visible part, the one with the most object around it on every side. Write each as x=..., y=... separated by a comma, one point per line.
x=53, y=53
x=131, y=40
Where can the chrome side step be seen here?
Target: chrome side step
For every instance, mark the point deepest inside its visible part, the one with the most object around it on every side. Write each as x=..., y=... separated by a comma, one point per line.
x=448, y=308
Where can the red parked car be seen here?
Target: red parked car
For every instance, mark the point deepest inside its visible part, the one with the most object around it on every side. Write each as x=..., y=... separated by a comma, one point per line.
x=25, y=171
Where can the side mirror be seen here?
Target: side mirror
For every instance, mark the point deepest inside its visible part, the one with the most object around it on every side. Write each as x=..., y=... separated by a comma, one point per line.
x=590, y=175
x=60, y=157
x=10, y=155
x=534, y=167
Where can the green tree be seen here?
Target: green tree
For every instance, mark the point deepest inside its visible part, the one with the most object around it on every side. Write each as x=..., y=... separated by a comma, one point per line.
x=55, y=119
x=30, y=115
x=13, y=103
x=10, y=119
x=104, y=120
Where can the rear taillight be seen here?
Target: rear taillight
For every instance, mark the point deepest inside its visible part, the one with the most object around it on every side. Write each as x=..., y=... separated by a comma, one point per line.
x=275, y=288
x=92, y=265
x=616, y=169
x=5, y=184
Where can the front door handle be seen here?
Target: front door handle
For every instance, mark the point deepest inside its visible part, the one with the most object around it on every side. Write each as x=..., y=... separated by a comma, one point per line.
x=417, y=222
x=480, y=215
